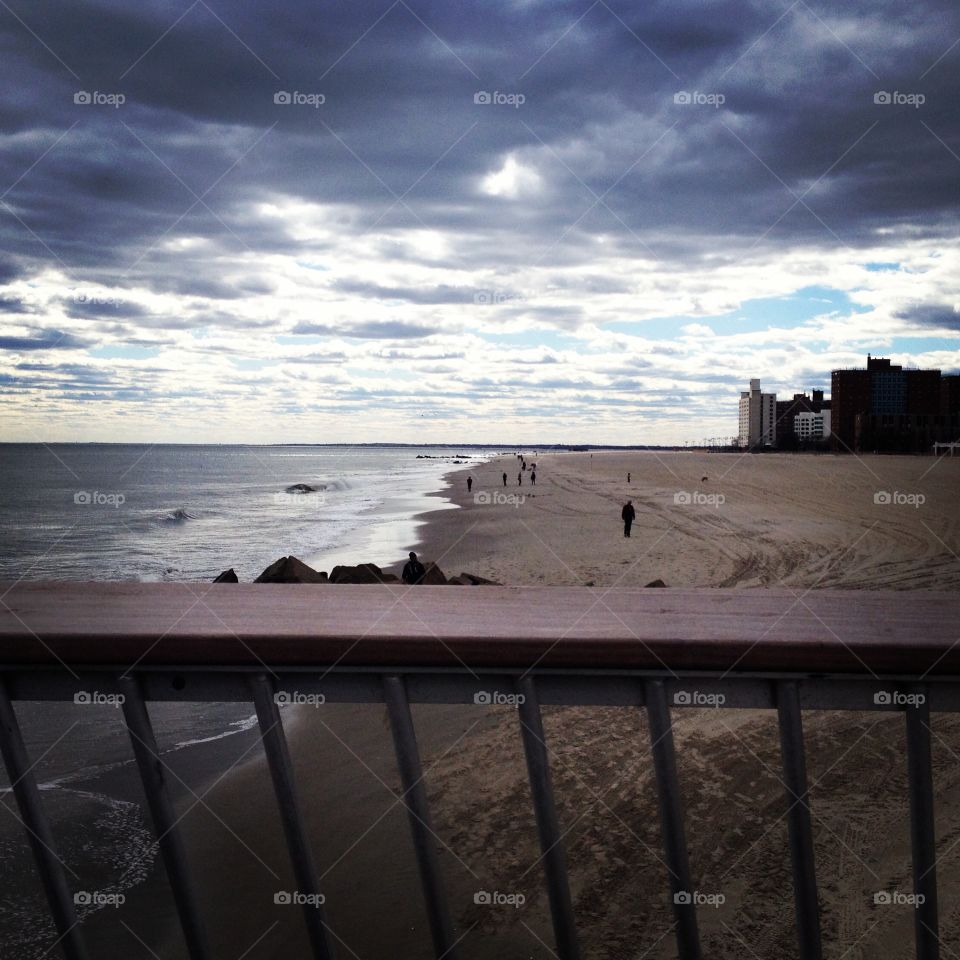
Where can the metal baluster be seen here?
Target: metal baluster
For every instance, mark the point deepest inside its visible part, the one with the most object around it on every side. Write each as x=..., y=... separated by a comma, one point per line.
x=284, y=785
x=165, y=820
x=798, y=820
x=418, y=811
x=38, y=830
x=922, y=843
x=671, y=820
x=551, y=842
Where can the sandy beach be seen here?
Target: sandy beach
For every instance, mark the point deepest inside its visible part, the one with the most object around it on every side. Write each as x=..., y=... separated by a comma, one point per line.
x=725, y=521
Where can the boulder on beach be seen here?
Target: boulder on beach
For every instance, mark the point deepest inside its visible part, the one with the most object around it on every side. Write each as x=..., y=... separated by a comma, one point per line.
x=472, y=580
x=434, y=576
x=290, y=570
x=228, y=576
x=655, y=583
x=361, y=573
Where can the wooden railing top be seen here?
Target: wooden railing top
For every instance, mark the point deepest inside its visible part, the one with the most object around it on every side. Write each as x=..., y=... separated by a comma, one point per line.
x=818, y=631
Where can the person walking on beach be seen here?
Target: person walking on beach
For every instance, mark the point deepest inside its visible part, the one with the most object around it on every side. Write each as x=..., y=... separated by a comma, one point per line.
x=469, y=484
x=413, y=570
x=628, y=478
x=533, y=477
x=504, y=478
x=520, y=479
x=629, y=515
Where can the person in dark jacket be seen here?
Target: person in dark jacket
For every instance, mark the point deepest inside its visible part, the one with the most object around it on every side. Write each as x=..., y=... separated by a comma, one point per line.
x=469, y=484
x=504, y=479
x=629, y=515
x=413, y=570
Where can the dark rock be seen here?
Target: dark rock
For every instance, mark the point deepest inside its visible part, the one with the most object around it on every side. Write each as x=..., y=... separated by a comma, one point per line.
x=290, y=570
x=434, y=575
x=656, y=583
x=228, y=576
x=361, y=573
x=473, y=580
x=301, y=488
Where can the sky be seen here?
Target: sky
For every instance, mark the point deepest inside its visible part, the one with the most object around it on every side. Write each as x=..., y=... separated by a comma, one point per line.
x=424, y=221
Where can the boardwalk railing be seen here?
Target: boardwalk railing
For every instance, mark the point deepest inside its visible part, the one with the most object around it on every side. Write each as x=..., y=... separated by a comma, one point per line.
x=657, y=650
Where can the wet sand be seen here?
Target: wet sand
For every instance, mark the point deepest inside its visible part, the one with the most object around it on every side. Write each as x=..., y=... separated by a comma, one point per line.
x=809, y=522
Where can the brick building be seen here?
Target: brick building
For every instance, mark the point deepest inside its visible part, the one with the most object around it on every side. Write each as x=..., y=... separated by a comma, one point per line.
x=885, y=407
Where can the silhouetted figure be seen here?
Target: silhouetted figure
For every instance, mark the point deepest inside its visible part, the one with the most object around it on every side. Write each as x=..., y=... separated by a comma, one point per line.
x=504, y=479
x=628, y=478
x=469, y=484
x=520, y=479
x=413, y=570
x=629, y=515
x=533, y=477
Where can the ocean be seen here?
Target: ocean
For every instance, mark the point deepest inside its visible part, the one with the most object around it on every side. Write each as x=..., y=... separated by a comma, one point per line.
x=169, y=512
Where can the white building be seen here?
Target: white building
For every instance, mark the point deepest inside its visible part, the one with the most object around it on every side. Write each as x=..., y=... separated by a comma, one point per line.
x=812, y=426
x=758, y=417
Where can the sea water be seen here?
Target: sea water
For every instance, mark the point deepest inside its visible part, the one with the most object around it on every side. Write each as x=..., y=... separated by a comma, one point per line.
x=170, y=512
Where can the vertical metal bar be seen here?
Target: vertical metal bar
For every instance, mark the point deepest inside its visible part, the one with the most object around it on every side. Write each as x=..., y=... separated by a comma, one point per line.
x=671, y=820
x=38, y=830
x=298, y=844
x=415, y=799
x=920, y=781
x=154, y=778
x=551, y=842
x=798, y=820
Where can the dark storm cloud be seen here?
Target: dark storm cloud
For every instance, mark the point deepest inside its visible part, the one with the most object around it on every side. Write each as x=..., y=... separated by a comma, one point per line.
x=14, y=305
x=938, y=315
x=46, y=339
x=799, y=152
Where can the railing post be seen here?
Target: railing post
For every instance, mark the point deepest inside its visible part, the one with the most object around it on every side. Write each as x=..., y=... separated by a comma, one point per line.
x=38, y=830
x=551, y=841
x=284, y=785
x=798, y=820
x=922, y=840
x=154, y=779
x=418, y=811
x=671, y=820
